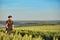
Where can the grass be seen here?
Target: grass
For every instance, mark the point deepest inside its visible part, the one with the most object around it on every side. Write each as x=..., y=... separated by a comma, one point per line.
x=45, y=28
x=45, y=32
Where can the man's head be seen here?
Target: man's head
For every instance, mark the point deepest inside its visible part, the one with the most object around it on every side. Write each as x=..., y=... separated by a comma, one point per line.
x=10, y=17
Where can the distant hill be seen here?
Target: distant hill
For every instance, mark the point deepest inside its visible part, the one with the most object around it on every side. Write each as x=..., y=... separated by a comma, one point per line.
x=20, y=23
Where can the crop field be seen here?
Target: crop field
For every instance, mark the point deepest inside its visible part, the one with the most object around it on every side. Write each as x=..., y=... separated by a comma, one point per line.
x=45, y=32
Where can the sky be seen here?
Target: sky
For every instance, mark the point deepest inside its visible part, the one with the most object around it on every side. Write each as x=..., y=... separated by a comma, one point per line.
x=30, y=9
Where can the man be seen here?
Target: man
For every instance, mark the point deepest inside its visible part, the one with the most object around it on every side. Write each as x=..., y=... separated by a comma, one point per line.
x=9, y=25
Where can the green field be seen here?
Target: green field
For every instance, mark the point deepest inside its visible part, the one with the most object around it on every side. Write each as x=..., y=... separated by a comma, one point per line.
x=45, y=32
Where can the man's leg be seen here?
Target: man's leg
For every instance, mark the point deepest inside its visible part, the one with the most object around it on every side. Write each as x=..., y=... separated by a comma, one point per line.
x=10, y=31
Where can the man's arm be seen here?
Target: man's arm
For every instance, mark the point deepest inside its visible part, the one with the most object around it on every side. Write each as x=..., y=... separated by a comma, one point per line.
x=12, y=26
x=6, y=24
